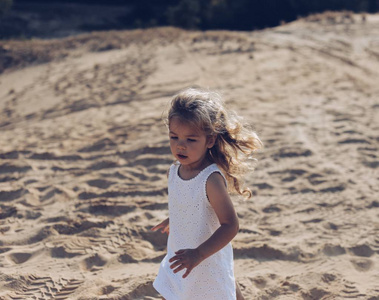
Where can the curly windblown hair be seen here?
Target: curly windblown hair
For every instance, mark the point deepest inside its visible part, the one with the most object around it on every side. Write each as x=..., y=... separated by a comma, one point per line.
x=235, y=141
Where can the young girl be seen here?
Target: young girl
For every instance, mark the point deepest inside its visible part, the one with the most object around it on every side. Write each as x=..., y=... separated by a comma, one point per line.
x=207, y=143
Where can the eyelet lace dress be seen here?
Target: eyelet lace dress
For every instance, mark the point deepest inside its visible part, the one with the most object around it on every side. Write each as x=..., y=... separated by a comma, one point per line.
x=192, y=222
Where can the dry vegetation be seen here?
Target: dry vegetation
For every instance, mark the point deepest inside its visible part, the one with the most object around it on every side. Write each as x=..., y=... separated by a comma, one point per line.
x=333, y=17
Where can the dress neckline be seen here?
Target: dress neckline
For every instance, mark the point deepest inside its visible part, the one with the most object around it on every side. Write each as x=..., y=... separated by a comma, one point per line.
x=197, y=175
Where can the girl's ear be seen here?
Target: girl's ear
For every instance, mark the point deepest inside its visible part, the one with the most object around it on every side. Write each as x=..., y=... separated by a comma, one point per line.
x=211, y=141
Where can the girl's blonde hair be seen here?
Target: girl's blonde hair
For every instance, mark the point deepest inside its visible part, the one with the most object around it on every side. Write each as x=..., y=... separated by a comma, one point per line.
x=235, y=141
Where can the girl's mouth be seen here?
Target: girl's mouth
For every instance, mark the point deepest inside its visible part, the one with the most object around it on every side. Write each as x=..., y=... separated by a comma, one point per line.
x=181, y=156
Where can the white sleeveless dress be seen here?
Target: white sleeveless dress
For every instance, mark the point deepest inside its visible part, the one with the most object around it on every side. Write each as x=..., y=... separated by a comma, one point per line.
x=192, y=222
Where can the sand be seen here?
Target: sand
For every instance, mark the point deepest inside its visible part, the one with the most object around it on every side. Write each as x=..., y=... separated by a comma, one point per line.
x=84, y=155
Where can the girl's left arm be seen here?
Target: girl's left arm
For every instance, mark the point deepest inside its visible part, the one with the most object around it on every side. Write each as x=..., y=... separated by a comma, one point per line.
x=222, y=204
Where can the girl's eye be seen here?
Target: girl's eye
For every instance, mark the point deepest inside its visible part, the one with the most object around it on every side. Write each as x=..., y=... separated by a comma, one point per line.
x=191, y=140
x=173, y=137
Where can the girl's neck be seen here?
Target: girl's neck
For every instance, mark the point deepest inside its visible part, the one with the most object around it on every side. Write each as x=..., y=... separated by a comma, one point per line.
x=190, y=171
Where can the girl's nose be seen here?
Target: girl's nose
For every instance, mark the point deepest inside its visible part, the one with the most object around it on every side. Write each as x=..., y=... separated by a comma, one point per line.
x=181, y=145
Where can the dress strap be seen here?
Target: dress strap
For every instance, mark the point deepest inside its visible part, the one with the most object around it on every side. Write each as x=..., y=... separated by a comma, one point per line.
x=214, y=169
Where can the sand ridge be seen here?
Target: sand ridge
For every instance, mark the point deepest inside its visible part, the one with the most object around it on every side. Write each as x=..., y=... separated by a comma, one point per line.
x=84, y=156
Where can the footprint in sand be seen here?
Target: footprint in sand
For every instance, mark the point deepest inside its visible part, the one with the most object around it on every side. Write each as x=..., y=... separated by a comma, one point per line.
x=362, y=250
x=19, y=257
x=100, y=183
x=315, y=293
x=12, y=195
x=260, y=282
x=106, y=207
x=94, y=262
x=100, y=145
x=362, y=264
x=14, y=168
x=350, y=291
x=65, y=252
x=333, y=250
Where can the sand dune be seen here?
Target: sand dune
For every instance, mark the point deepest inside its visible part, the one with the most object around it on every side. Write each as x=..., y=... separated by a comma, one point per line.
x=84, y=156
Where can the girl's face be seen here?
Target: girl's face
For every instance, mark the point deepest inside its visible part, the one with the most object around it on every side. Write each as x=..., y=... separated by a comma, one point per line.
x=188, y=144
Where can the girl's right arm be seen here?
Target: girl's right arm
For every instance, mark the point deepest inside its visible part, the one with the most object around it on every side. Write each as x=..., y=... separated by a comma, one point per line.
x=164, y=226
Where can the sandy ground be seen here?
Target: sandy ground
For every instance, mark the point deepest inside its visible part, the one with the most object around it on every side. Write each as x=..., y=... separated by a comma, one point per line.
x=84, y=155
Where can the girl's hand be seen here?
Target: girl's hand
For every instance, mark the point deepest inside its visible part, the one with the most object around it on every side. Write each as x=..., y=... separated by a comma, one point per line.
x=185, y=259
x=164, y=225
